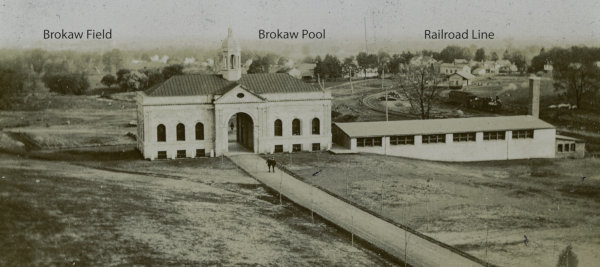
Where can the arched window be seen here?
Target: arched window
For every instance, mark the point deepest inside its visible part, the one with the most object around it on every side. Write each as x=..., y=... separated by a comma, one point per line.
x=278, y=128
x=180, y=132
x=199, y=131
x=316, y=126
x=296, y=127
x=161, y=133
x=232, y=61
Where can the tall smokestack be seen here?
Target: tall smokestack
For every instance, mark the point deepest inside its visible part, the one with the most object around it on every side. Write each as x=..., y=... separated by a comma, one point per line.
x=534, y=96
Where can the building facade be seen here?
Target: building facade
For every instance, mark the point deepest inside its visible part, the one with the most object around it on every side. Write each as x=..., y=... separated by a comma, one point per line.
x=211, y=115
x=459, y=79
x=460, y=139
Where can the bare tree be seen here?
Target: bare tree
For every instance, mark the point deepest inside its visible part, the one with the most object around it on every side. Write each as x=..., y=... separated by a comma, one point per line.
x=579, y=80
x=419, y=86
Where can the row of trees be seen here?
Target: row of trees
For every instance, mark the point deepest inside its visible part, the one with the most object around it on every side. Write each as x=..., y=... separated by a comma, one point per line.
x=13, y=77
x=575, y=71
x=129, y=80
x=331, y=67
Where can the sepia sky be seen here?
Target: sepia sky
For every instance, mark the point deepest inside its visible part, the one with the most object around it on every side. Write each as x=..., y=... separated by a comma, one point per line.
x=22, y=22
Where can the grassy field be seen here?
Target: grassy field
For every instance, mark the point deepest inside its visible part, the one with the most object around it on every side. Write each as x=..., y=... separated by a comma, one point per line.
x=90, y=209
x=465, y=204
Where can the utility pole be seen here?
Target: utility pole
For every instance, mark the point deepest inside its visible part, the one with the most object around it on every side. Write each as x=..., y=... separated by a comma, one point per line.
x=312, y=216
x=381, y=205
x=351, y=85
x=280, y=184
x=486, y=245
x=386, y=93
x=374, y=27
x=352, y=230
x=366, y=43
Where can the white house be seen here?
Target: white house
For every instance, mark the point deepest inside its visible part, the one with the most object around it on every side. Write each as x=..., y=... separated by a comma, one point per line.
x=459, y=79
x=200, y=115
x=449, y=68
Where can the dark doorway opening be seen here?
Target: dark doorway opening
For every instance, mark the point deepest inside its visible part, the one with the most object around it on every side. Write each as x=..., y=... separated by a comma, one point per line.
x=241, y=133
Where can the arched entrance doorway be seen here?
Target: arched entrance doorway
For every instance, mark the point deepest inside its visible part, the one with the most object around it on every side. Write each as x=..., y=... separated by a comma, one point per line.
x=240, y=133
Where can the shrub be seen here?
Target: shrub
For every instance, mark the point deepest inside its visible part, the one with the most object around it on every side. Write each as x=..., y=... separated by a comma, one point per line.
x=69, y=83
x=109, y=80
x=567, y=258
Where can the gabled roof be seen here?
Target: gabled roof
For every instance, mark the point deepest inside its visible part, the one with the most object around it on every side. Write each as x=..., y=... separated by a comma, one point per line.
x=562, y=137
x=214, y=84
x=442, y=126
x=465, y=75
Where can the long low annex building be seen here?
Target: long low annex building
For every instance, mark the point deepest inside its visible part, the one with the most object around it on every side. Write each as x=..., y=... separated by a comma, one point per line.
x=457, y=139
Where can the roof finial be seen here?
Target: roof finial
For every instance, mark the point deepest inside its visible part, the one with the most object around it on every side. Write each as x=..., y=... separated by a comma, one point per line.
x=229, y=32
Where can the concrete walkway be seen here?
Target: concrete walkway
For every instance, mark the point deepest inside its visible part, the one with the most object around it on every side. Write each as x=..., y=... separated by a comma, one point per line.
x=419, y=252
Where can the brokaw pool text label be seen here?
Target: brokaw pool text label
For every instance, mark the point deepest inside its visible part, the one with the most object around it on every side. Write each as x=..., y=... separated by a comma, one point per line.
x=304, y=34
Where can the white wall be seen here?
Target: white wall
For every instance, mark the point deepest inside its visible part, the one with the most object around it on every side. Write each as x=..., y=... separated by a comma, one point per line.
x=170, y=116
x=541, y=146
x=189, y=110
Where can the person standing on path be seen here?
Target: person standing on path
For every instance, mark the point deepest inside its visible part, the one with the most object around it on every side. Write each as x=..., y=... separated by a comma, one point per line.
x=271, y=163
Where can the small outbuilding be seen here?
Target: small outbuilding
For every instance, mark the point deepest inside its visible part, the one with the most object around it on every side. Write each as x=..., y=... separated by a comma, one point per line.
x=569, y=147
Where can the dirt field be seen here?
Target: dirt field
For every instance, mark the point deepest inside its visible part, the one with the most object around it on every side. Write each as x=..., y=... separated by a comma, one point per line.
x=57, y=121
x=462, y=203
x=100, y=212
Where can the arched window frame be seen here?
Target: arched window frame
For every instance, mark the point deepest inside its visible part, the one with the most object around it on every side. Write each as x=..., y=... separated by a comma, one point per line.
x=316, y=126
x=277, y=128
x=161, y=133
x=180, y=130
x=296, y=127
x=199, y=131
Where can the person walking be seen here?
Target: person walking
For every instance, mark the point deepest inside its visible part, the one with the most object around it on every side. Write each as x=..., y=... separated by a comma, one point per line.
x=271, y=163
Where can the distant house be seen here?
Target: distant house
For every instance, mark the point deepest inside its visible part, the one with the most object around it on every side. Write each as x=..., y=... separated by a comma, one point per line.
x=460, y=61
x=449, y=68
x=478, y=71
x=295, y=73
x=459, y=79
x=506, y=66
x=367, y=73
x=307, y=71
x=422, y=61
x=491, y=67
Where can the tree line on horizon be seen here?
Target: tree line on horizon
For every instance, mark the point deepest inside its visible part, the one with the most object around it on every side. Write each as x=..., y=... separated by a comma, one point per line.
x=575, y=68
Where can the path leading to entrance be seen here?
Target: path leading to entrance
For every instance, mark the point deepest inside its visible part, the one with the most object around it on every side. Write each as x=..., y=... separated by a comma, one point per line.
x=417, y=250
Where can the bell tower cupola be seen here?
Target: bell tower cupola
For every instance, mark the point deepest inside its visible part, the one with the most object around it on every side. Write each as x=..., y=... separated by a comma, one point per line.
x=231, y=69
